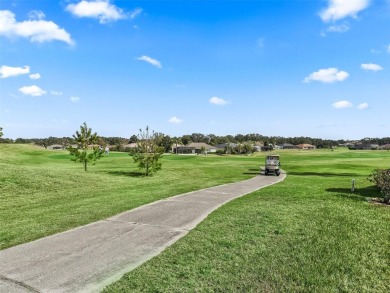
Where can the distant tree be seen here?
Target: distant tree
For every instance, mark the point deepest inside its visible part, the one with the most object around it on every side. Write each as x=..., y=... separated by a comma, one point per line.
x=203, y=150
x=165, y=142
x=86, y=151
x=239, y=148
x=133, y=139
x=186, y=139
x=147, y=153
x=1, y=132
x=247, y=148
x=175, y=142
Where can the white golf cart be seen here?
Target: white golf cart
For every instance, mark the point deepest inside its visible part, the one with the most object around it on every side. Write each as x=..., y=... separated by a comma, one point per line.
x=272, y=164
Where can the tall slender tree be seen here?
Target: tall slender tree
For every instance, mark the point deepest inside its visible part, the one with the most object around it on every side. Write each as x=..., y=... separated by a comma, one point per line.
x=147, y=153
x=1, y=132
x=86, y=151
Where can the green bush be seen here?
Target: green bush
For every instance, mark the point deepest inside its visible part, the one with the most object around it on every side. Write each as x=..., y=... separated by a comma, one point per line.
x=381, y=177
x=220, y=152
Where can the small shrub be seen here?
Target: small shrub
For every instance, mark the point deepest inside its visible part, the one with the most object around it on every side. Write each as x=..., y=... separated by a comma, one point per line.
x=220, y=152
x=381, y=178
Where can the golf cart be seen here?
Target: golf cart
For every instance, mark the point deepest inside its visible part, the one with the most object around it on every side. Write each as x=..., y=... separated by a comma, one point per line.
x=272, y=164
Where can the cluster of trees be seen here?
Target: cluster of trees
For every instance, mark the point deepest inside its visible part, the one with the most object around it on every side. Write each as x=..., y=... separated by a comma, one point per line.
x=166, y=141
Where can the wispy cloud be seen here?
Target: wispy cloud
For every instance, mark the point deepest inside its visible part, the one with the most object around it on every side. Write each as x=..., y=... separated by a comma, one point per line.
x=363, y=106
x=371, y=67
x=260, y=42
x=341, y=28
x=36, y=15
x=151, y=61
x=342, y=104
x=218, y=101
x=54, y=93
x=328, y=75
x=35, y=76
x=35, y=30
x=175, y=120
x=8, y=71
x=32, y=90
x=136, y=12
x=74, y=99
x=339, y=9
x=388, y=49
x=99, y=9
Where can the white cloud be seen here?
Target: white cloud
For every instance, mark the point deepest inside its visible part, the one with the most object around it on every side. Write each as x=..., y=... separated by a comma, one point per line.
x=135, y=13
x=217, y=101
x=175, y=120
x=74, y=99
x=8, y=71
x=100, y=9
x=372, y=67
x=36, y=30
x=362, y=106
x=35, y=76
x=339, y=9
x=150, y=60
x=32, y=90
x=328, y=75
x=342, y=104
x=36, y=14
x=54, y=93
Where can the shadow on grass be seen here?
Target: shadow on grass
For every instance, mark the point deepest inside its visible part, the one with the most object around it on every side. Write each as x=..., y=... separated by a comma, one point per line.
x=127, y=173
x=324, y=174
x=252, y=171
x=358, y=194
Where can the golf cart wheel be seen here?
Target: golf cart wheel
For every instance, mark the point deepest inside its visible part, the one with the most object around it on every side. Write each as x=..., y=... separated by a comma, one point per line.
x=277, y=172
x=266, y=171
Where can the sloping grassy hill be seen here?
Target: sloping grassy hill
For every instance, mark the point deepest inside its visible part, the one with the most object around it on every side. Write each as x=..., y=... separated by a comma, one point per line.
x=43, y=192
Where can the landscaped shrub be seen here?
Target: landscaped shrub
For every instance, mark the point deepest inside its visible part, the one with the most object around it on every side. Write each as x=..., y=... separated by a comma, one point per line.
x=381, y=177
x=220, y=152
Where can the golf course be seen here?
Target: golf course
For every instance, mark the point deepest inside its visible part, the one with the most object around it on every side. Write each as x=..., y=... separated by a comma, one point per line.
x=309, y=233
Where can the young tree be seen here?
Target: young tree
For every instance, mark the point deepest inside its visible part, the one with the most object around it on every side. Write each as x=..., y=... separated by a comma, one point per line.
x=1, y=132
x=147, y=153
x=203, y=150
x=86, y=151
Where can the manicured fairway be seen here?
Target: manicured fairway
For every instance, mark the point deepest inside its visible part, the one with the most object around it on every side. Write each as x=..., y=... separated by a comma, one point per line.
x=306, y=234
x=42, y=192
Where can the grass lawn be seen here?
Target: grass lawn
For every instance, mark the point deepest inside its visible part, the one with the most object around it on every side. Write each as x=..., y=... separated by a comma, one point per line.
x=43, y=192
x=306, y=234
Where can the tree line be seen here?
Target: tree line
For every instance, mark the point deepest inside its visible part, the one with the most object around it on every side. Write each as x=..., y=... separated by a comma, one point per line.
x=166, y=141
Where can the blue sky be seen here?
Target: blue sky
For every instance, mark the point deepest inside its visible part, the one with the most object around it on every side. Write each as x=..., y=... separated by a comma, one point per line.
x=278, y=68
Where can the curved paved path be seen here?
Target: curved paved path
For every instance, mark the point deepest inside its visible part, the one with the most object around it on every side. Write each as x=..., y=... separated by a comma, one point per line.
x=88, y=258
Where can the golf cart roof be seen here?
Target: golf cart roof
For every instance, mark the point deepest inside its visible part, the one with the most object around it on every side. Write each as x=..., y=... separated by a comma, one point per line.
x=273, y=155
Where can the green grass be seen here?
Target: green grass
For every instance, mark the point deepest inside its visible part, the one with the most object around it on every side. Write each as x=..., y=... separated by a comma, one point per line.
x=43, y=192
x=306, y=234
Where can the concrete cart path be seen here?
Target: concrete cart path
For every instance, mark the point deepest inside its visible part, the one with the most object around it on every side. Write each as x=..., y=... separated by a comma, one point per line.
x=88, y=258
